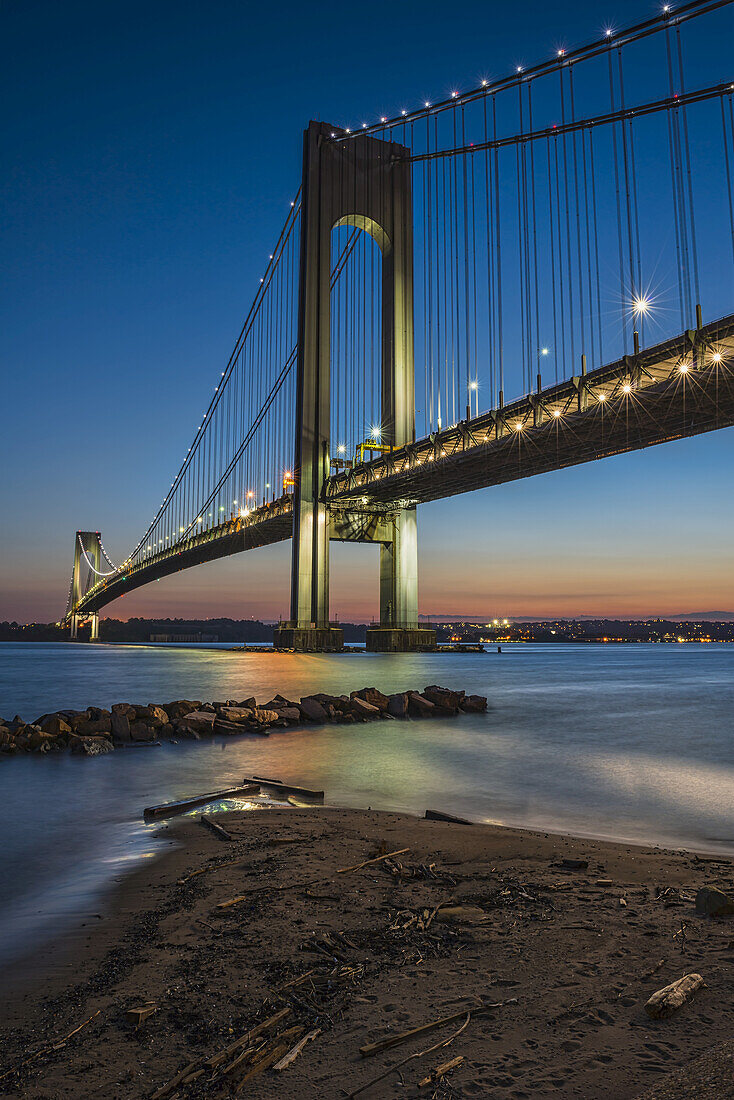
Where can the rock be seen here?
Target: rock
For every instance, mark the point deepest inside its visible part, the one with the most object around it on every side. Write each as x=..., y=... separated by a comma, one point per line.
x=573, y=864
x=120, y=725
x=249, y=703
x=235, y=714
x=124, y=708
x=397, y=705
x=160, y=716
x=374, y=697
x=364, y=710
x=228, y=729
x=55, y=724
x=97, y=714
x=84, y=726
x=418, y=707
x=180, y=708
x=289, y=715
x=446, y=700
x=668, y=1000
x=265, y=717
x=44, y=742
x=90, y=746
x=200, y=720
x=474, y=704
x=185, y=732
x=460, y=914
x=141, y=731
x=312, y=710
x=151, y=716
x=711, y=902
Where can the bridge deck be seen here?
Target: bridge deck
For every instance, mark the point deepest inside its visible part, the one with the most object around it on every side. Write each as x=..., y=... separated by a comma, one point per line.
x=679, y=388
x=263, y=526
x=633, y=403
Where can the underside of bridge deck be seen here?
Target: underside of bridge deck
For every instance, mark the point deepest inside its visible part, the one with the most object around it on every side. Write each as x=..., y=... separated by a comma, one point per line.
x=677, y=389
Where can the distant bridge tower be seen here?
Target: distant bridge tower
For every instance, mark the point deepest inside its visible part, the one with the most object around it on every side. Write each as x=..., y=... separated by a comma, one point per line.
x=364, y=182
x=87, y=560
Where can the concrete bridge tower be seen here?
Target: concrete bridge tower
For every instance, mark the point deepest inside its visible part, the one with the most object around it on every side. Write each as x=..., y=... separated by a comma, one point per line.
x=364, y=182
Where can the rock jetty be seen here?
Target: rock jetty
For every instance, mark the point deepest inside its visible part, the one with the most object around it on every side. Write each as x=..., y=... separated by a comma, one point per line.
x=94, y=731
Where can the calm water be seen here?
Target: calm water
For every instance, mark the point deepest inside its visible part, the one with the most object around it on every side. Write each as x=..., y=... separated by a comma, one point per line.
x=616, y=741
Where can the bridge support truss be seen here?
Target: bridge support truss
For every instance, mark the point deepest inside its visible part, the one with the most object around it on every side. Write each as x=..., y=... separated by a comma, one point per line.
x=365, y=183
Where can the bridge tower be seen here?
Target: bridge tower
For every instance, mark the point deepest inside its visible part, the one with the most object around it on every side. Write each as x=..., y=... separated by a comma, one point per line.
x=364, y=182
x=87, y=549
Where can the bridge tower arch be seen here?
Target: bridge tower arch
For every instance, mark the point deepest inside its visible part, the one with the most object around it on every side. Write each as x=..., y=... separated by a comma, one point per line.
x=87, y=557
x=364, y=182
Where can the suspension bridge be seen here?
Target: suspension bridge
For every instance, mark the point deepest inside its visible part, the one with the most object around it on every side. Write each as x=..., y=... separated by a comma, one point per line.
x=526, y=275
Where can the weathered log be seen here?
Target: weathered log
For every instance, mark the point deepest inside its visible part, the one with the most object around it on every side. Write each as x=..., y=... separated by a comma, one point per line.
x=171, y=809
x=672, y=997
x=287, y=788
x=214, y=827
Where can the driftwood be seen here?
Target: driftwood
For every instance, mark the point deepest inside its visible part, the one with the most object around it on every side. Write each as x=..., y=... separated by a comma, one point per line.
x=367, y=862
x=287, y=788
x=296, y=1050
x=439, y=1071
x=215, y=827
x=403, y=1036
x=170, y=809
x=309, y=882
x=57, y=1045
x=204, y=870
x=138, y=1016
x=196, y=1068
x=410, y=1058
x=672, y=997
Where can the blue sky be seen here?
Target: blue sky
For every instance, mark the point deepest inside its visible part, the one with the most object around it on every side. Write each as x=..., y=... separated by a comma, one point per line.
x=150, y=155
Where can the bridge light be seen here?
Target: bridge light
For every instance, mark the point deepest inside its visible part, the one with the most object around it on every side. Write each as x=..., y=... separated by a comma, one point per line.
x=341, y=449
x=544, y=351
x=608, y=32
x=472, y=385
x=556, y=412
x=426, y=104
x=683, y=368
x=250, y=493
x=602, y=397
x=626, y=388
x=716, y=357
x=375, y=432
x=518, y=426
x=641, y=305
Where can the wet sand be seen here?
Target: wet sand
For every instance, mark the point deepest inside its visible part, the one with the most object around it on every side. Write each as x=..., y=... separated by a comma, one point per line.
x=568, y=954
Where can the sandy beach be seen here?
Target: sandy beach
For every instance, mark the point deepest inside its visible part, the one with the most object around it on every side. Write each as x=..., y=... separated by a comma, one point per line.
x=537, y=951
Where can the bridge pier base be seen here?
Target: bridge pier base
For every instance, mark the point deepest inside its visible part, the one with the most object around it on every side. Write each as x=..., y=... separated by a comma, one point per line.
x=308, y=639
x=74, y=634
x=94, y=636
x=400, y=639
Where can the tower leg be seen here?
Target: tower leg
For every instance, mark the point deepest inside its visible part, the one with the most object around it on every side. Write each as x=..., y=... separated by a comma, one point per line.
x=399, y=631
x=94, y=637
x=74, y=627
